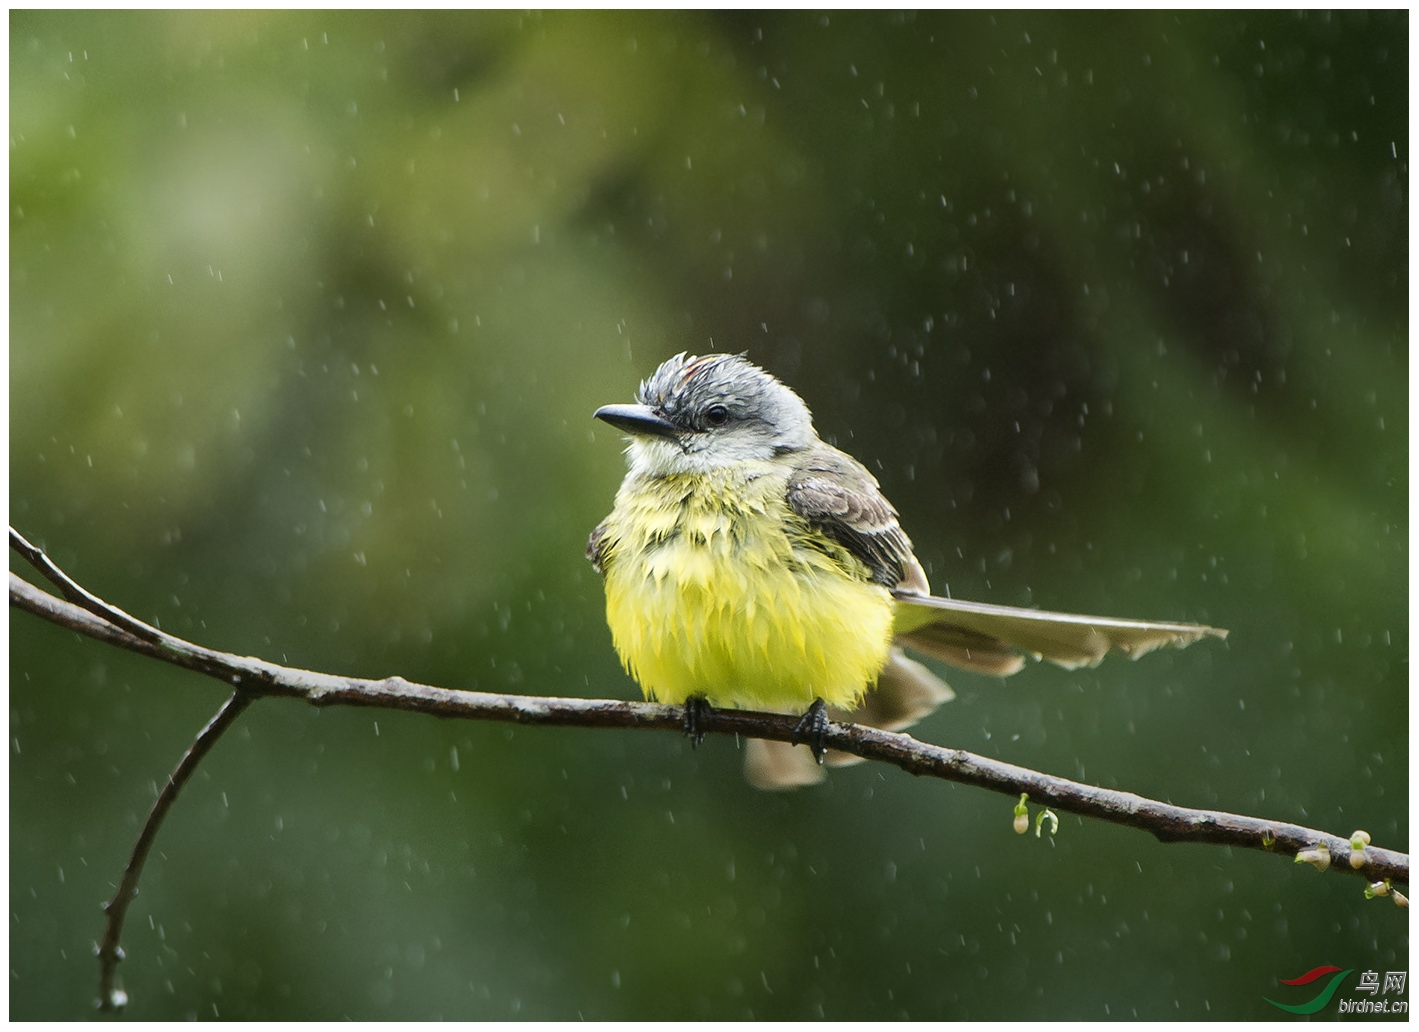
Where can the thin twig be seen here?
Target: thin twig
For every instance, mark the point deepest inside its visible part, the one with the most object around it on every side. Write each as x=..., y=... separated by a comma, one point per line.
x=77, y=594
x=109, y=951
x=1167, y=822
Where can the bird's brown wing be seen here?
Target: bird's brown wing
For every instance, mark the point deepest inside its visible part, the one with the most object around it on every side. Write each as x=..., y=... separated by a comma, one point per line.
x=944, y=628
x=835, y=493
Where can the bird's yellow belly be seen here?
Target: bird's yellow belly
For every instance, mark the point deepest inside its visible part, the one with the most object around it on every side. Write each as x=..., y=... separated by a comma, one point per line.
x=745, y=617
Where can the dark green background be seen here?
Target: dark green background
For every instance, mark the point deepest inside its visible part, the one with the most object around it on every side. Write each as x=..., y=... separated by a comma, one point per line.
x=309, y=313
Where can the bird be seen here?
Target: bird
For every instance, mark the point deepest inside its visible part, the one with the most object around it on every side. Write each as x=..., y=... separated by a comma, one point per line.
x=749, y=564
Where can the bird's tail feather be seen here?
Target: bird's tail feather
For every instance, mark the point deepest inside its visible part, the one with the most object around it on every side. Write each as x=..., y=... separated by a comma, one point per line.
x=985, y=635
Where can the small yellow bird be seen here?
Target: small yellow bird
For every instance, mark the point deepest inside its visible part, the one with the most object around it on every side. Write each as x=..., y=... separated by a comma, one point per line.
x=749, y=564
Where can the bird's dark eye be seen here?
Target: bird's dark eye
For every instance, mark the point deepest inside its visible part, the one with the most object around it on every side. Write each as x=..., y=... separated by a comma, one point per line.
x=716, y=415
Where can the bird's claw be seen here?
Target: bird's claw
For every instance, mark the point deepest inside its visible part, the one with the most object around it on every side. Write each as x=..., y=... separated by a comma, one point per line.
x=697, y=708
x=813, y=729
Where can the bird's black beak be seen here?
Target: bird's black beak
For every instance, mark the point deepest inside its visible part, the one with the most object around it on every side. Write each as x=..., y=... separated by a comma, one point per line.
x=637, y=420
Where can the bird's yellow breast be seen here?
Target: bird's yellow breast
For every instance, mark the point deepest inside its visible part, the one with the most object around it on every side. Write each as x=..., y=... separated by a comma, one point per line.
x=715, y=587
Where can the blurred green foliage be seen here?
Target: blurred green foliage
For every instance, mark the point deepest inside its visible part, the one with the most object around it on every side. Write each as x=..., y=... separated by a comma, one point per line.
x=308, y=316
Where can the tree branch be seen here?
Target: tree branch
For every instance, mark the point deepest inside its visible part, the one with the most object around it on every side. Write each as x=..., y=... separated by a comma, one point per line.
x=1169, y=823
x=78, y=595
x=110, y=953
x=253, y=678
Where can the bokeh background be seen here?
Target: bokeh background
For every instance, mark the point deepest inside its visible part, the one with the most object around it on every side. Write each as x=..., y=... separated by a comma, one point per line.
x=309, y=314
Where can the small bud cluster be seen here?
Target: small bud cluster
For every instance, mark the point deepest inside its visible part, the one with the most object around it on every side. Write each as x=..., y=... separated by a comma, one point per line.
x=1022, y=818
x=1358, y=842
x=1319, y=857
x=1385, y=888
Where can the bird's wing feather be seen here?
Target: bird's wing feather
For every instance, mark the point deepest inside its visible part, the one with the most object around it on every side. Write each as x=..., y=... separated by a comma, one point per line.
x=837, y=494
x=596, y=545
x=933, y=625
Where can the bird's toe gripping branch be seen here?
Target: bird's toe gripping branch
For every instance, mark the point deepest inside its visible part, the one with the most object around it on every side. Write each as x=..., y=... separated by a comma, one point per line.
x=813, y=729
x=697, y=710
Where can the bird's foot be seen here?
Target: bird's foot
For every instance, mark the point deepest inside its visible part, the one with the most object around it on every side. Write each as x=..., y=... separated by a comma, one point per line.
x=697, y=708
x=813, y=729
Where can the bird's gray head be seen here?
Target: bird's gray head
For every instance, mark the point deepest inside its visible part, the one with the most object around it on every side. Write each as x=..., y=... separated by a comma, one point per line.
x=698, y=413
